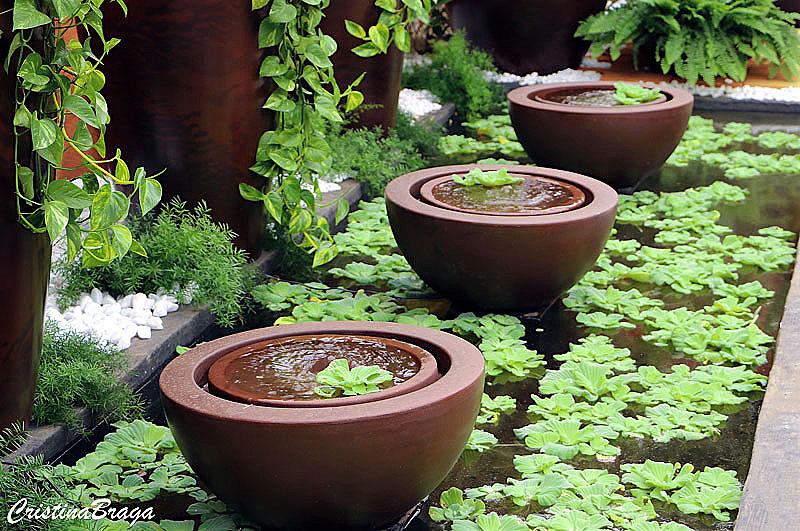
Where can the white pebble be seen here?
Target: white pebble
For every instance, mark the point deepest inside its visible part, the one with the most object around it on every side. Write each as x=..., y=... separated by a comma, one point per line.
x=155, y=323
x=172, y=307
x=112, y=309
x=139, y=301
x=97, y=296
x=84, y=300
x=149, y=303
x=154, y=296
x=124, y=343
x=108, y=299
x=141, y=317
x=126, y=301
x=160, y=309
x=92, y=308
x=53, y=313
x=72, y=313
x=144, y=332
x=127, y=312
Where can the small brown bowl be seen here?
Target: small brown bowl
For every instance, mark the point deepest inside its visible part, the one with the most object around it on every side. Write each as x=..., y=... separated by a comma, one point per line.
x=219, y=380
x=579, y=198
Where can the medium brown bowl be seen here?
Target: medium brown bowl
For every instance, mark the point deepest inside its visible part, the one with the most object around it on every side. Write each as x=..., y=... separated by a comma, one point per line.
x=219, y=382
x=500, y=263
x=347, y=467
x=618, y=145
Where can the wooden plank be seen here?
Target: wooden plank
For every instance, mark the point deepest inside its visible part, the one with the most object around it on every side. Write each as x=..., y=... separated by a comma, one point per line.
x=771, y=499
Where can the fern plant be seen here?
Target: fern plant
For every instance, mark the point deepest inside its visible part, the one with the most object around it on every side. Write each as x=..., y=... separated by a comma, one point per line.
x=700, y=38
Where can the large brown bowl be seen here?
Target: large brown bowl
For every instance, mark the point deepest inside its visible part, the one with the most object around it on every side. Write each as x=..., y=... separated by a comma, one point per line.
x=348, y=467
x=500, y=263
x=220, y=384
x=618, y=145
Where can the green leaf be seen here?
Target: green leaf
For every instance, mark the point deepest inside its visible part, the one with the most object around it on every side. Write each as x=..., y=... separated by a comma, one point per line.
x=355, y=29
x=26, y=15
x=81, y=108
x=368, y=49
x=342, y=208
x=282, y=12
x=44, y=132
x=251, y=193
x=56, y=217
x=108, y=208
x=379, y=35
x=68, y=193
x=122, y=241
x=25, y=178
x=272, y=66
x=354, y=99
x=270, y=33
x=300, y=221
x=137, y=248
x=402, y=39
x=317, y=56
x=274, y=203
x=150, y=194
x=66, y=8
x=22, y=118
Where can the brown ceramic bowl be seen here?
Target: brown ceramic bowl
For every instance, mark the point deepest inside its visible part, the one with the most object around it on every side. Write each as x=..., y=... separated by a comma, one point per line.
x=578, y=198
x=219, y=381
x=348, y=467
x=617, y=145
x=500, y=263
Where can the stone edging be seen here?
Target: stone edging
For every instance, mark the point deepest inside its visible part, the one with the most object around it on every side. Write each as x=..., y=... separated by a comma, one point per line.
x=771, y=498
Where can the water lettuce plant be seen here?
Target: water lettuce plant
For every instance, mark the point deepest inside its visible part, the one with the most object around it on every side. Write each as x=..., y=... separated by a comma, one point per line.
x=338, y=378
x=633, y=94
x=477, y=176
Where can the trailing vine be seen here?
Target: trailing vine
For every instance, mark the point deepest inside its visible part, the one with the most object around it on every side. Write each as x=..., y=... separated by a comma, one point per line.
x=56, y=81
x=306, y=93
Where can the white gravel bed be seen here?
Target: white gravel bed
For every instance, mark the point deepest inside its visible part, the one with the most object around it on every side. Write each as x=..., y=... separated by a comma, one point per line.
x=417, y=103
x=115, y=321
x=745, y=92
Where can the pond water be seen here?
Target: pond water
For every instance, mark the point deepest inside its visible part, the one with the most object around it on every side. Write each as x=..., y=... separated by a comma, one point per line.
x=773, y=200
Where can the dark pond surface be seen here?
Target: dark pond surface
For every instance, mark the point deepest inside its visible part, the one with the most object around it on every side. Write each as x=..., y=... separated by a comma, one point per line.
x=773, y=200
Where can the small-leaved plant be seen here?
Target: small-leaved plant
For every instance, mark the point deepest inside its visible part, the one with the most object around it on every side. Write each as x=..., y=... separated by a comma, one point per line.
x=339, y=379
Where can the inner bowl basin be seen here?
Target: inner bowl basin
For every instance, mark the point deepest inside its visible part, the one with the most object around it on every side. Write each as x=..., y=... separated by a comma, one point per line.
x=572, y=96
x=535, y=196
x=281, y=372
x=357, y=466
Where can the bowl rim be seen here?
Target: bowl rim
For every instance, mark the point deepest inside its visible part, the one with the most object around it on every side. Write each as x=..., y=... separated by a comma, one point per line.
x=179, y=379
x=600, y=197
x=524, y=97
x=427, y=373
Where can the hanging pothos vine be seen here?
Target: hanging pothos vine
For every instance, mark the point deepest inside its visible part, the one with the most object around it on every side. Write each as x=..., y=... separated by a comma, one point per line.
x=55, y=81
x=306, y=93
